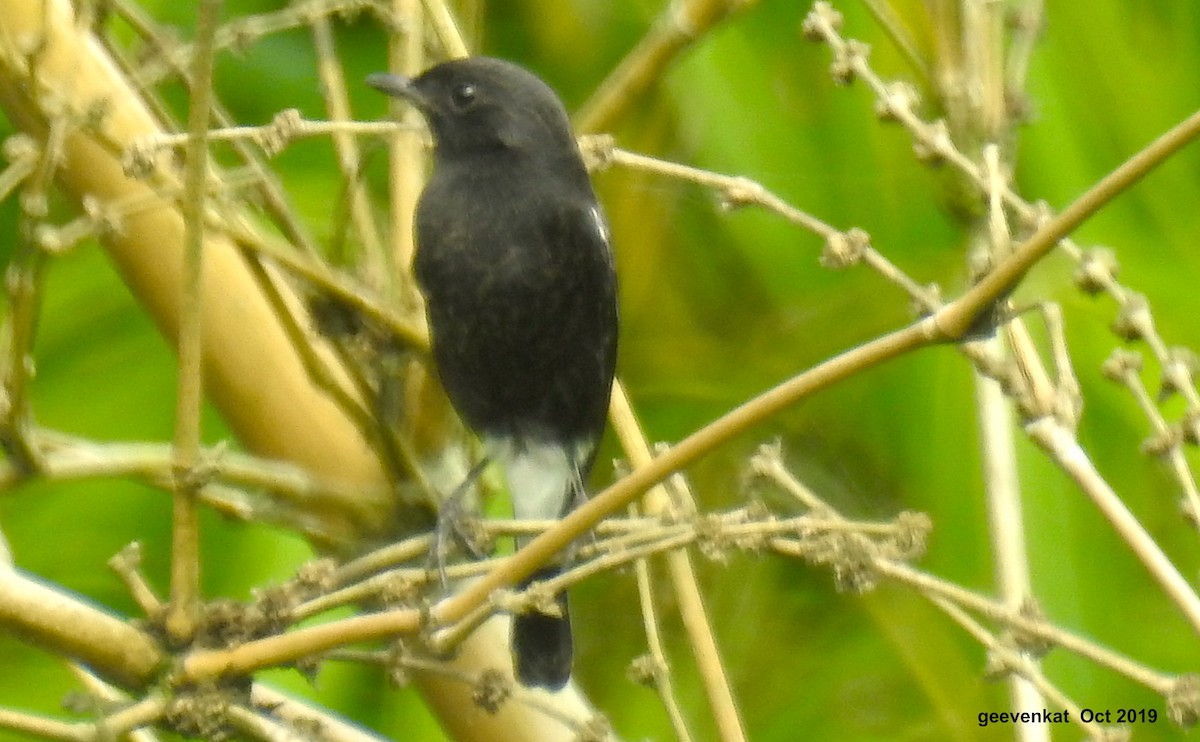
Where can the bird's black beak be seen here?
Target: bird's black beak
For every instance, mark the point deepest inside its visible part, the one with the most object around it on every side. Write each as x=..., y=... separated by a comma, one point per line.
x=397, y=86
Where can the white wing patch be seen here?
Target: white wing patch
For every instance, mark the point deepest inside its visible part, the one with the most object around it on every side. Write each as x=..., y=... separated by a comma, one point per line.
x=601, y=225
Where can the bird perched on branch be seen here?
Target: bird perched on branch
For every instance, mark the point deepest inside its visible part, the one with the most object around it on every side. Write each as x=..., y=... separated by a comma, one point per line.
x=513, y=258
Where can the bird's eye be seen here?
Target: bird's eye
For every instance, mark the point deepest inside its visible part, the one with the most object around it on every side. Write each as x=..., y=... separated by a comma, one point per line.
x=463, y=96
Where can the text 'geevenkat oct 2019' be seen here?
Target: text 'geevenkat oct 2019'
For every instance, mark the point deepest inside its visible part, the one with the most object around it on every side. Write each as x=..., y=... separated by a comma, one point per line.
x=1086, y=716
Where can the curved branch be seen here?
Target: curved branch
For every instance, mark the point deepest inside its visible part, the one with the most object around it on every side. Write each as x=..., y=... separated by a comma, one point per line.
x=69, y=626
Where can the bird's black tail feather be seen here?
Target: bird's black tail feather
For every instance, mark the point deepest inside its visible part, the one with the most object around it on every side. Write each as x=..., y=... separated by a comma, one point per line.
x=541, y=644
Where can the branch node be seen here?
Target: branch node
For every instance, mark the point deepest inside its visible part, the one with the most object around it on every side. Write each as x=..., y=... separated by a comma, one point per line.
x=1035, y=217
x=899, y=99
x=1133, y=321
x=1097, y=270
x=999, y=665
x=934, y=143
x=645, y=670
x=142, y=159
x=1031, y=643
x=741, y=191
x=598, y=151
x=911, y=537
x=1190, y=425
x=848, y=59
x=845, y=249
x=711, y=539
x=822, y=23
x=492, y=690
x=226, y=623
x=1161, y=442
x=1122, y=364
x=991, y=361
x=274, y=137
x=1178, y=372
x=1067, y=404
x=853, y=561
x=401, y=590
x=1183, y=700
x=926, y=302
x=536, y=597
x=203, y=711
x=317, y=576
x=127, y=564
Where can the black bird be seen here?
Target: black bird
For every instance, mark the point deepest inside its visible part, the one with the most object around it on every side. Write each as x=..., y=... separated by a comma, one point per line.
x=513, y=257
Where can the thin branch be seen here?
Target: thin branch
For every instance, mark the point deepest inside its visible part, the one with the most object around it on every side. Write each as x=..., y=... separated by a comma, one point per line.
x=1038, y=633
x=1097, y=267
x=413, y=335
x=255, y=725
x=1033, y=628
x=406, y=56
x=127, y=565
x=1028, y=18
x=1123, y=367
x=679, y=26
x=932, y=586
x=998, y=451
x=109, y=697
x=1016, y=664
x=184, y=606
x=446, y=29
x=718, y=532
x=841, y=249
x=887, y=18
x=268, y=182
x=1066, y=452
x=683, y=579
x=658, y=673
x=896, y=103
x=40, y=726
x=244, y=30
x=300, y=714
x=337, y=102
x=22, y=155
x=143, y=712
x=286, y=127
x=23, y=282
x=956, y=317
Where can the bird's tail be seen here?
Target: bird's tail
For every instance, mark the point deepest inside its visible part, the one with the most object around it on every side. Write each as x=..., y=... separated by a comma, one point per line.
x=541, y=644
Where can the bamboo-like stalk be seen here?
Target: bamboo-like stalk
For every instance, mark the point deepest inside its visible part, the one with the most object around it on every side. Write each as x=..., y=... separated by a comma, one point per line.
x=251, y=368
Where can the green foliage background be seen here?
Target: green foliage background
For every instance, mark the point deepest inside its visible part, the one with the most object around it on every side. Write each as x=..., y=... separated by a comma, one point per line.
x=716, y=307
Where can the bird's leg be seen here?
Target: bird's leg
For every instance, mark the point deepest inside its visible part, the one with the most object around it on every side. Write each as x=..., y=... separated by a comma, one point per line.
x=578, y=495
x=452, y=523
x=576, y=498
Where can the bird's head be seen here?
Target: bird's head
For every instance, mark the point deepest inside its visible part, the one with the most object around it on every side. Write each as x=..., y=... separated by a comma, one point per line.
x=481, y=103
